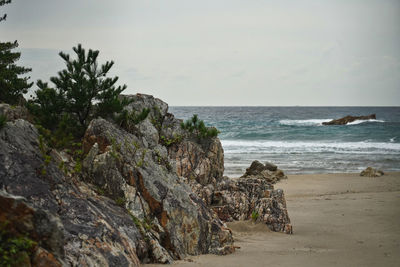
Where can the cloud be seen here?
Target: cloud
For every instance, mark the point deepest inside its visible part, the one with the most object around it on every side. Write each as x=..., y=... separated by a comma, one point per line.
x=225, y=52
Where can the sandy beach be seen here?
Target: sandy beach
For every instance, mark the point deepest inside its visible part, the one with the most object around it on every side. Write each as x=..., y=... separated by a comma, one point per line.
x=338, y=220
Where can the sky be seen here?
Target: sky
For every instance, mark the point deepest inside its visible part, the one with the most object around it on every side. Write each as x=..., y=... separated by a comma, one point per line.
x=223, y=53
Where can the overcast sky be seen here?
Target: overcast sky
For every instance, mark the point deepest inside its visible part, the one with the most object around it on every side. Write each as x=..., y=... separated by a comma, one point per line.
x=234, y=52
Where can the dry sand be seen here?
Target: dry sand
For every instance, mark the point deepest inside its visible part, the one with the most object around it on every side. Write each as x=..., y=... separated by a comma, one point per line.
x=338, y=220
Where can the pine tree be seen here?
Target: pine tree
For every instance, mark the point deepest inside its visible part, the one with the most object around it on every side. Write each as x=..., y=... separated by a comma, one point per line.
x=2, y=3
x=82, y=91
x=12, y=87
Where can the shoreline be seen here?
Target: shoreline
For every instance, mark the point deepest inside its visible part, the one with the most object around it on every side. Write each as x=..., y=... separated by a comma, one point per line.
x=338, y=220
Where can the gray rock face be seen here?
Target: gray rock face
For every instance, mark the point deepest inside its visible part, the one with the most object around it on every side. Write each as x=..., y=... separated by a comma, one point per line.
x=200, y=160
x=180, y=223
x=18, y=218
x=158, y=108
x=371, y=172
x=96, y=231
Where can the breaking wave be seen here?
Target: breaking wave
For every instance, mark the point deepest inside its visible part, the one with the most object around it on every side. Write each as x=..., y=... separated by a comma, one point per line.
x=261, y=146
x=311, y=122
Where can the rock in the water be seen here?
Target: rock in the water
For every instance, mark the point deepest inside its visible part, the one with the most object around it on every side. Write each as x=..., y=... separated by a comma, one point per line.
x=371, y=172
x=347, y=119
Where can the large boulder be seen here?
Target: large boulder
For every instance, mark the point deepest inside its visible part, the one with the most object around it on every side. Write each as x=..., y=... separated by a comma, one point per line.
x=371, y=172
x=143, y=181
x=138, y=102
x=251, y=198
x=348, y=119
x=267, y=171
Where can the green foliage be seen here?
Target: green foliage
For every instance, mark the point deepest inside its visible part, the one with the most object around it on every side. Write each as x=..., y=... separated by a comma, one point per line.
x=169, y=142
x=62, y=167
x=141, y=161
x=120, y=201
x=81, y=91
x=3, y=121
x=196, y=126
x=13, y=247
x=77, y=155
x=48, y=107
x=128, y=120
x=12, y=87
x=62, y=136
x=45, y=155
x=63, y=140
x=254, y=216
x=100, y=191
x=136, y=221
x=146, y=224
x=115, y=148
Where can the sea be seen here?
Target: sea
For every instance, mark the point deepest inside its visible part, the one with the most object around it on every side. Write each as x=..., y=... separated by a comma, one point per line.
x=295, y=140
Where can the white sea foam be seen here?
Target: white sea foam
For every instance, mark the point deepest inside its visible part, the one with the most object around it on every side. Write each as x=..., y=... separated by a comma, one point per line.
x=362, y=121
x=318, y=122
x=310, y=122
x=246, y=146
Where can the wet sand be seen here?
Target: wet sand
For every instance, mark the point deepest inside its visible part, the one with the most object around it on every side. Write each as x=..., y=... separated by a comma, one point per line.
x=338, y=220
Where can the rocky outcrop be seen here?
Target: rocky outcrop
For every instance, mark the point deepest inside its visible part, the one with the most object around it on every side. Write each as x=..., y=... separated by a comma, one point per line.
x=348, y=119
x=371, y=172
x=150, y=193
x=13, y=112
x=200, y=162
x=141, y=178
x=251, y=198
x=97, y=232
x=197, y=159
x=267, y=171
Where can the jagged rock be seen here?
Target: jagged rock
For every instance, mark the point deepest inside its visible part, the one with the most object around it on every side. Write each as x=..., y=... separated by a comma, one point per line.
x=241, y=198
x=201, y=162
x=14, y=112
x=269, y=172
x=18, y=219
x=158, y=108
x=119, y=164
x=96, y=231
x=270, y=166
x=371, y=172
x=347, y=119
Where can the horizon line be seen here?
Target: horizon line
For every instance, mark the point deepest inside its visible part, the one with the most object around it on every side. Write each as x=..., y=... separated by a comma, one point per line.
x=380, y=106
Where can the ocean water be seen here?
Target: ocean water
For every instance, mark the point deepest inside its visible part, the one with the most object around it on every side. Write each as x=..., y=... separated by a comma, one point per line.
x=295, y=139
